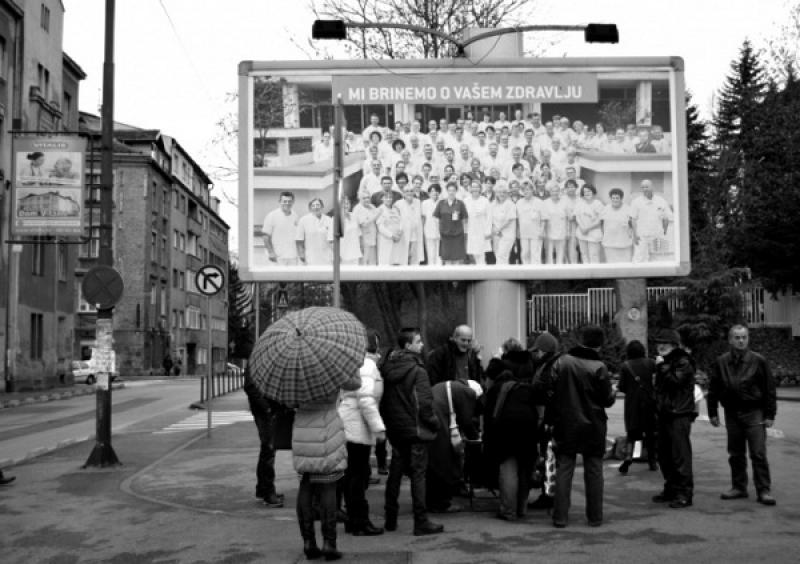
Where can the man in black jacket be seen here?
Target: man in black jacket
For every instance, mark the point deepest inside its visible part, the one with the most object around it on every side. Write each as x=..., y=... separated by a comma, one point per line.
x=263, y=411
x=456, y=359
x=742, y=382
x=407, y=411
x=674, y=390
x=581, y=390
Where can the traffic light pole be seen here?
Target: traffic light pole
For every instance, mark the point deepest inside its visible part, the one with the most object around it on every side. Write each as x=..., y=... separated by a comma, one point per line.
x=103, y=453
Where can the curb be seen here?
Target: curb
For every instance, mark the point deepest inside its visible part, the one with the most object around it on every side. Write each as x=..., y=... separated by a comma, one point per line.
x=36, y=453
x=53, y=396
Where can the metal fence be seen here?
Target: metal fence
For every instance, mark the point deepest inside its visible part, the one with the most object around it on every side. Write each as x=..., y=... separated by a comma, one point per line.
x=599, y=305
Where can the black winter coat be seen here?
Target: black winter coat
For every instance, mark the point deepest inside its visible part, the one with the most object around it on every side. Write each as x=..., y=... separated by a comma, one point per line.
x=520, y=363
x=742, y=385
x=582, y=391
x=407, y=403
x=441, y=365
x=636, y=382
x=513, y=430
x=675, y=385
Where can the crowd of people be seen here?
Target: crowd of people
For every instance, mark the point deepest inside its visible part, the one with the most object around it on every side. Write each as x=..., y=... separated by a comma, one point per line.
x=505, y=192
x=529, y=413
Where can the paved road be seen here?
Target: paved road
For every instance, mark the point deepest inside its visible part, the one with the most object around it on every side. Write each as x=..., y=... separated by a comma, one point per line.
x=30, y=430
x=182, y=497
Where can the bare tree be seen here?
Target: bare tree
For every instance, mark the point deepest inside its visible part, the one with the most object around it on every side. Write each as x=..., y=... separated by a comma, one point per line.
x=783, y=49
x=447, y=16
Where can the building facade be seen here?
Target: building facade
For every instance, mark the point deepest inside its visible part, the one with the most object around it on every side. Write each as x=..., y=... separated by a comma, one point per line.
x=39, y=89
x=166, y=226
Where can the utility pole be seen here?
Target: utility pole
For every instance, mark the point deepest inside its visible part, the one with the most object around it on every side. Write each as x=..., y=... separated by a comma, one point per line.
x=103, y=453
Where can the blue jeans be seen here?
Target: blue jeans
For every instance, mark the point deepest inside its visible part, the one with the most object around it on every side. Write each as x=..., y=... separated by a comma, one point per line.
x=592, y=481
x=265, y=469
x=514, y=479
x=411, y=459
x=746, y=431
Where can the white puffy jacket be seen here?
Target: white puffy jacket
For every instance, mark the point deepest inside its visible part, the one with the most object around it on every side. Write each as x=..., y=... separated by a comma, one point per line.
x=359, y=410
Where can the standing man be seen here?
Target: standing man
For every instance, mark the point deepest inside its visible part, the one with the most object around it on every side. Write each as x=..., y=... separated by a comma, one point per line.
x=581, y=390
x=279, y=230
x=651, y=216
x=742, y=382
x=675, y=408
x=263, y=411
x=407, y=411
x=457, y=359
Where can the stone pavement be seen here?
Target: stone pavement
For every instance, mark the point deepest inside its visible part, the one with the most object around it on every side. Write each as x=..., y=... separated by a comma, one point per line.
x=181, y=496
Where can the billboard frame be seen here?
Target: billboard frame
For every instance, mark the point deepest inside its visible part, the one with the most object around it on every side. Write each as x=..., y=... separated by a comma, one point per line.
x=621, y=66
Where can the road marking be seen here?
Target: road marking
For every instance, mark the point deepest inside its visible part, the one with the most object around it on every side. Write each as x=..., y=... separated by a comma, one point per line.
x=200, y=421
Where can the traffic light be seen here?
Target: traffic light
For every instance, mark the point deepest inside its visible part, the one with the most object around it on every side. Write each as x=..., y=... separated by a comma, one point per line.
x=601, y=33
x=328, y=29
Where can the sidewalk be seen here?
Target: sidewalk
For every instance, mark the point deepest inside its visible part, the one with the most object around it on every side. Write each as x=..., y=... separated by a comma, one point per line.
x=186, y=497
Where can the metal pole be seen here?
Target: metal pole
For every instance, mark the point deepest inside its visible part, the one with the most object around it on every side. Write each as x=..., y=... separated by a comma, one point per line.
x=210, y=364
x=103, y=453
x=338, y=172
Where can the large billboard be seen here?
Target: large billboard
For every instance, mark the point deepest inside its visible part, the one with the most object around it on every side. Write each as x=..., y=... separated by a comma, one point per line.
x=508, y=169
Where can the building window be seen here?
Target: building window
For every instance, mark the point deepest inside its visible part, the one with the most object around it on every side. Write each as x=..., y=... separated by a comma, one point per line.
x=164, y=247
x=45, y=18
x=91, y=249
x=174, y=277
x=67, y=108
x=153, y=246
x=182, y=242
x=182, y=280
x=165, y=203
x=191, y=248
x=38, y=259
x=61, y=252
x=3, y=57
x=163, y=300
x=37, y=336
x=44, y=81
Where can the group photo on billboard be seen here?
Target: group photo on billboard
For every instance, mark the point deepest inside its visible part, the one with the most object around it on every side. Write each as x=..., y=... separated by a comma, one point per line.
x=545, y=171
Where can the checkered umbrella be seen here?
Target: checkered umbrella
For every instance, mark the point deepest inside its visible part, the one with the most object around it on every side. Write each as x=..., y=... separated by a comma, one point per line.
x=308, y=354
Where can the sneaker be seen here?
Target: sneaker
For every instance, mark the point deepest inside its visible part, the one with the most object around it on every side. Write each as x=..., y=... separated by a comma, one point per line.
x=764, y=498
x=427, y=528
x=273, y=501
x=733, y=494
x=680, y=502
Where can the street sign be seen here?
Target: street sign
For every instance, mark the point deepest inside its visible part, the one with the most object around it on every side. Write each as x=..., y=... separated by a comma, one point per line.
x=102, y=287
x=283, y=299
x=209, y=280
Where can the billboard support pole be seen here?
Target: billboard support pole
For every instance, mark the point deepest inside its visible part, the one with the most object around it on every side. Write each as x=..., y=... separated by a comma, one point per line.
x=338, y=173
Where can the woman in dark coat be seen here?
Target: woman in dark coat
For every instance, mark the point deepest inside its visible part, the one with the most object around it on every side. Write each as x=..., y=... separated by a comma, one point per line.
x=451, y=213
x=445, y=466
x=636, y=382
x=510, y=439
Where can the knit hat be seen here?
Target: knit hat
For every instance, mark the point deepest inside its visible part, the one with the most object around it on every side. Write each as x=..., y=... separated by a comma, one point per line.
x=545, y=343
x=668, y=336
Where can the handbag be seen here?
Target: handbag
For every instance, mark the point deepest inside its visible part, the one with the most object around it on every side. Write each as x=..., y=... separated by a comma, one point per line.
x=455, y=433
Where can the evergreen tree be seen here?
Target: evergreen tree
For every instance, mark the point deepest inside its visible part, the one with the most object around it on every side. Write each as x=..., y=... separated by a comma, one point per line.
x=240, y=310
x=704, y=203
x=736, y=133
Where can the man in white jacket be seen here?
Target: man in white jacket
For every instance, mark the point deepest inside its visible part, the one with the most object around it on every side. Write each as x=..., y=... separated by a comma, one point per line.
x=362, y=426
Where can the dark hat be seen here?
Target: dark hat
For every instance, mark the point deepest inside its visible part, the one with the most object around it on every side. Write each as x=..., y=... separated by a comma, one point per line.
x=668, y=336
x=545, y=343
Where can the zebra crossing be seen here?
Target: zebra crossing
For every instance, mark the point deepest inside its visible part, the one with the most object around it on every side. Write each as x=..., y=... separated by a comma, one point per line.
x=199, y=421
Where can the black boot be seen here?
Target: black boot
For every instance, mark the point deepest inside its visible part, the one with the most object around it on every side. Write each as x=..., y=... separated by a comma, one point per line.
x=623, y=468
x=329, y=550
x=390, y=522
x=311, y=549
x=366, y=529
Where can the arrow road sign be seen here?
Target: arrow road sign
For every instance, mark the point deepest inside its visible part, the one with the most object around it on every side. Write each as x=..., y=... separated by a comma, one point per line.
x=209, y=280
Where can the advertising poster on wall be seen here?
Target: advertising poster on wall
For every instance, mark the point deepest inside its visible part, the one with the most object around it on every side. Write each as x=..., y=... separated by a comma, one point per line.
x=48, y=196
x=513, y=169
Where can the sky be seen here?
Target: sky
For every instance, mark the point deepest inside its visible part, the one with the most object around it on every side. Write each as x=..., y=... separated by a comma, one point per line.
x=176, y=60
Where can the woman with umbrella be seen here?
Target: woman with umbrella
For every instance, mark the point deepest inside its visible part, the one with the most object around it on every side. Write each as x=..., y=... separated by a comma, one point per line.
x=303, y=361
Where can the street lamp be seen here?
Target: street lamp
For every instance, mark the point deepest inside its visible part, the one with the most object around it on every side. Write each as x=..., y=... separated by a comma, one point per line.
x=337, y=29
